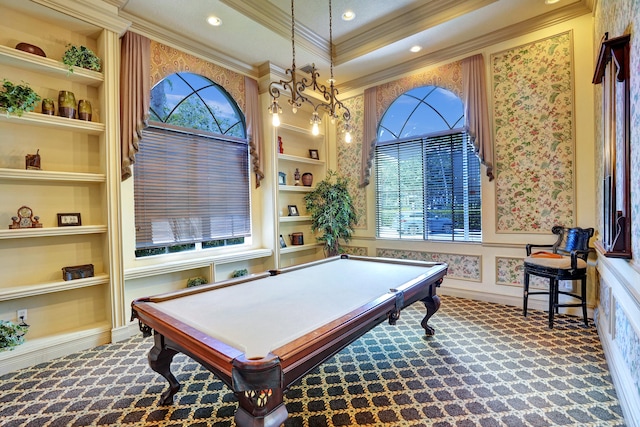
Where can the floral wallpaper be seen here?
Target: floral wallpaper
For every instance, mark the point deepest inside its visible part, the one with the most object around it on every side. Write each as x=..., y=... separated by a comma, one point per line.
x=350, y=155
x=510, y=272
x=166, y=60
x=467, y=267
x=628, y=342
x=618, y=17
x=533, y=135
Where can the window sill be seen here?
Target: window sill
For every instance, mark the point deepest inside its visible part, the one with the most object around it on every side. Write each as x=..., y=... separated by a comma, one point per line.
x=206, y=260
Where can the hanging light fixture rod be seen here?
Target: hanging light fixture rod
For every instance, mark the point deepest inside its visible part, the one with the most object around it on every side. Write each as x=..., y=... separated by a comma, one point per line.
x=296, y=86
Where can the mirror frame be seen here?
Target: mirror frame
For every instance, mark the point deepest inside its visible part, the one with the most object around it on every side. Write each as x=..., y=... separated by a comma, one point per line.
x=612, y=71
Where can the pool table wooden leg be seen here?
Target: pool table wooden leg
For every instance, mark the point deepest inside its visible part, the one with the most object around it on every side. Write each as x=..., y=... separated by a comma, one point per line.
x=432, y=304
x=261, y=408
x=160, y=358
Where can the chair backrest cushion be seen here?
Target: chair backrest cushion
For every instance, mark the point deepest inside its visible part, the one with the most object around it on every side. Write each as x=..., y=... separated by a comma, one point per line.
x=577, y=240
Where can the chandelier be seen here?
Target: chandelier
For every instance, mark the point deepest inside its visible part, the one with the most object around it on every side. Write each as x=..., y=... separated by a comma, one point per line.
x=296, y=86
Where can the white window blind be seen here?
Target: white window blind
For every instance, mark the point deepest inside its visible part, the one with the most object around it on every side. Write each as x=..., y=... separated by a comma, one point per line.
x=428, y=188
x=190, y=188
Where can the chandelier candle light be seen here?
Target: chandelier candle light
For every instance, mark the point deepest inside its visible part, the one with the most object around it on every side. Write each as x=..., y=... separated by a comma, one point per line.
x=296, y=86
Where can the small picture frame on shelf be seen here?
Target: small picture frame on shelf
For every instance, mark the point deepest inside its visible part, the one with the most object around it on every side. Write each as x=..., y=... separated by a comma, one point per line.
x=69, y=219
x=314, y=154
x=283, y=244
x=282, y=178
x=293, y=210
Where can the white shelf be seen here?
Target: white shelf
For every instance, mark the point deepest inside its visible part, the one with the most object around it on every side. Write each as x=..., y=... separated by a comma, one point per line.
x=40, y=175
x=296, y=188
x=22, y=233
x=16, y=292
x=306, y=131
x=295, y=218
x=51, y=67
x=300, y=159
x=299, y=248
x=55, y=122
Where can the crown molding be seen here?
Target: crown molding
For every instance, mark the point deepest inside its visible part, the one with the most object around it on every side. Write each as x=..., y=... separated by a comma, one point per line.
x=541, y=22
x=279, y=22
x=95, y=12
x=404, y=25
x=188, y=45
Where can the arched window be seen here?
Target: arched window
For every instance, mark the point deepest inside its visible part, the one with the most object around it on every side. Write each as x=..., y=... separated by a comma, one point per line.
x=427, y=174
x=191, y=177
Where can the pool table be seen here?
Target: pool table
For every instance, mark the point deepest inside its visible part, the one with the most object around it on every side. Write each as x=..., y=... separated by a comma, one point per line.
x=261, y=333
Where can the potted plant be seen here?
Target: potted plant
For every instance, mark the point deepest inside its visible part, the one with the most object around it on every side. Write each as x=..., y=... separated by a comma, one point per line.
x=332, y=212
x=11, y=334
x=196, y=281
x=16, y=99
x=80, y=56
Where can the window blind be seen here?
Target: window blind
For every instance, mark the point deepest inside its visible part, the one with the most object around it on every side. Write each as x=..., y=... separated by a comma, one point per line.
x=428, y=188
x=190, y=188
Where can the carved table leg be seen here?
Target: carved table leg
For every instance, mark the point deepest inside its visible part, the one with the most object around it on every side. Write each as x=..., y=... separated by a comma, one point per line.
x=160, y=359
x=432, y=304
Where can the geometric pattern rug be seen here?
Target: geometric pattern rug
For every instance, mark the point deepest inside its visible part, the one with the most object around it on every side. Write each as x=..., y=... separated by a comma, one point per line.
x=486, y=366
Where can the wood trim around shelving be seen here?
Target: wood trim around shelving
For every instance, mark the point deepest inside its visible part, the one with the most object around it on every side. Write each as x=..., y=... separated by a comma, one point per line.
x=55, y=122
x=16, y=292
x=51, y=67
x=23, y=233
x=40, y=175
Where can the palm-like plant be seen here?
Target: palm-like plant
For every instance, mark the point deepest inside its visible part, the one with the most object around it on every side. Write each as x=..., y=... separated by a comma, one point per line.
x=332, y=212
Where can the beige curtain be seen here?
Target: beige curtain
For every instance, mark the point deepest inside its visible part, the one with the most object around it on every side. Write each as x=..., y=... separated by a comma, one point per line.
x=254, y=127
x=369, y=137
x=476, y=111
x=135, y=92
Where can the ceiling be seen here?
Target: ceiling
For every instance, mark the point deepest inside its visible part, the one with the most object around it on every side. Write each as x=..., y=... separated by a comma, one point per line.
x=371, y=48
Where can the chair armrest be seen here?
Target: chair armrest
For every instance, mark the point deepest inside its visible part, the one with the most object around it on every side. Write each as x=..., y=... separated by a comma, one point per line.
x=575, y=254
x=531, y=246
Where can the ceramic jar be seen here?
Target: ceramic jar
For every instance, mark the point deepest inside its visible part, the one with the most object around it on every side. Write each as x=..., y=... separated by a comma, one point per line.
x=84, y=110
x=66, y=104
x=296, y=239
x=307, y=179
x=48, y=107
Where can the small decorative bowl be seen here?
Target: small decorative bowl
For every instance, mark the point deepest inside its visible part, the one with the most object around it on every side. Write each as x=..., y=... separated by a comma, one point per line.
x=29, y=48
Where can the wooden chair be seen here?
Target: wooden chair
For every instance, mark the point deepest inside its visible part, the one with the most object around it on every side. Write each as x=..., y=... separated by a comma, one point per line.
x=566, y=259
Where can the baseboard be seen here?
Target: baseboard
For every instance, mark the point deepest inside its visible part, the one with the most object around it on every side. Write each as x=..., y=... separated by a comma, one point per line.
x=541, y=304
x=125, y=332
x=41, y=350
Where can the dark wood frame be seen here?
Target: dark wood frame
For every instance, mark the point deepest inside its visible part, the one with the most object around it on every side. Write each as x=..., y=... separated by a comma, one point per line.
x=314, y=154
x=612, y=71
x=293, y=210
x=76, y=215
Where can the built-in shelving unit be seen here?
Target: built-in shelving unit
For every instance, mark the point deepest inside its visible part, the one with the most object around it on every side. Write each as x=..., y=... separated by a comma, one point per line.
x=76, y=176
x=296, y=140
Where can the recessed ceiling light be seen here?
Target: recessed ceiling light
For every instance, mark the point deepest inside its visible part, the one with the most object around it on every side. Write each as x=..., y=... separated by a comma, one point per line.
x=551, y=1
x=416, y=48
x=214, y=20
x=348, y=15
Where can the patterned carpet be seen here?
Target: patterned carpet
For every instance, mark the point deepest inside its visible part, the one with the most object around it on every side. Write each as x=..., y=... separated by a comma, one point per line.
x=486, y=366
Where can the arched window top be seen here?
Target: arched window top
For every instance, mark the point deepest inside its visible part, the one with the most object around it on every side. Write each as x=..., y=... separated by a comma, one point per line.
x=421, y=111
x=192, y=101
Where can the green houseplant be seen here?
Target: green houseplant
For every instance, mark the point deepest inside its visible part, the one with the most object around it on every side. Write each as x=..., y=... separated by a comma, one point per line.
x=332, y=212
x=80, y=56
x=16, y=99
x=11, y=334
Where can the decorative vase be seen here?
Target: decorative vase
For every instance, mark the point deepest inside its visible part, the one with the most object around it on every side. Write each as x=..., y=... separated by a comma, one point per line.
x=66, y=104
x=307, y=179
x=84, y=110
x=296, y=239
x=48, y=107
